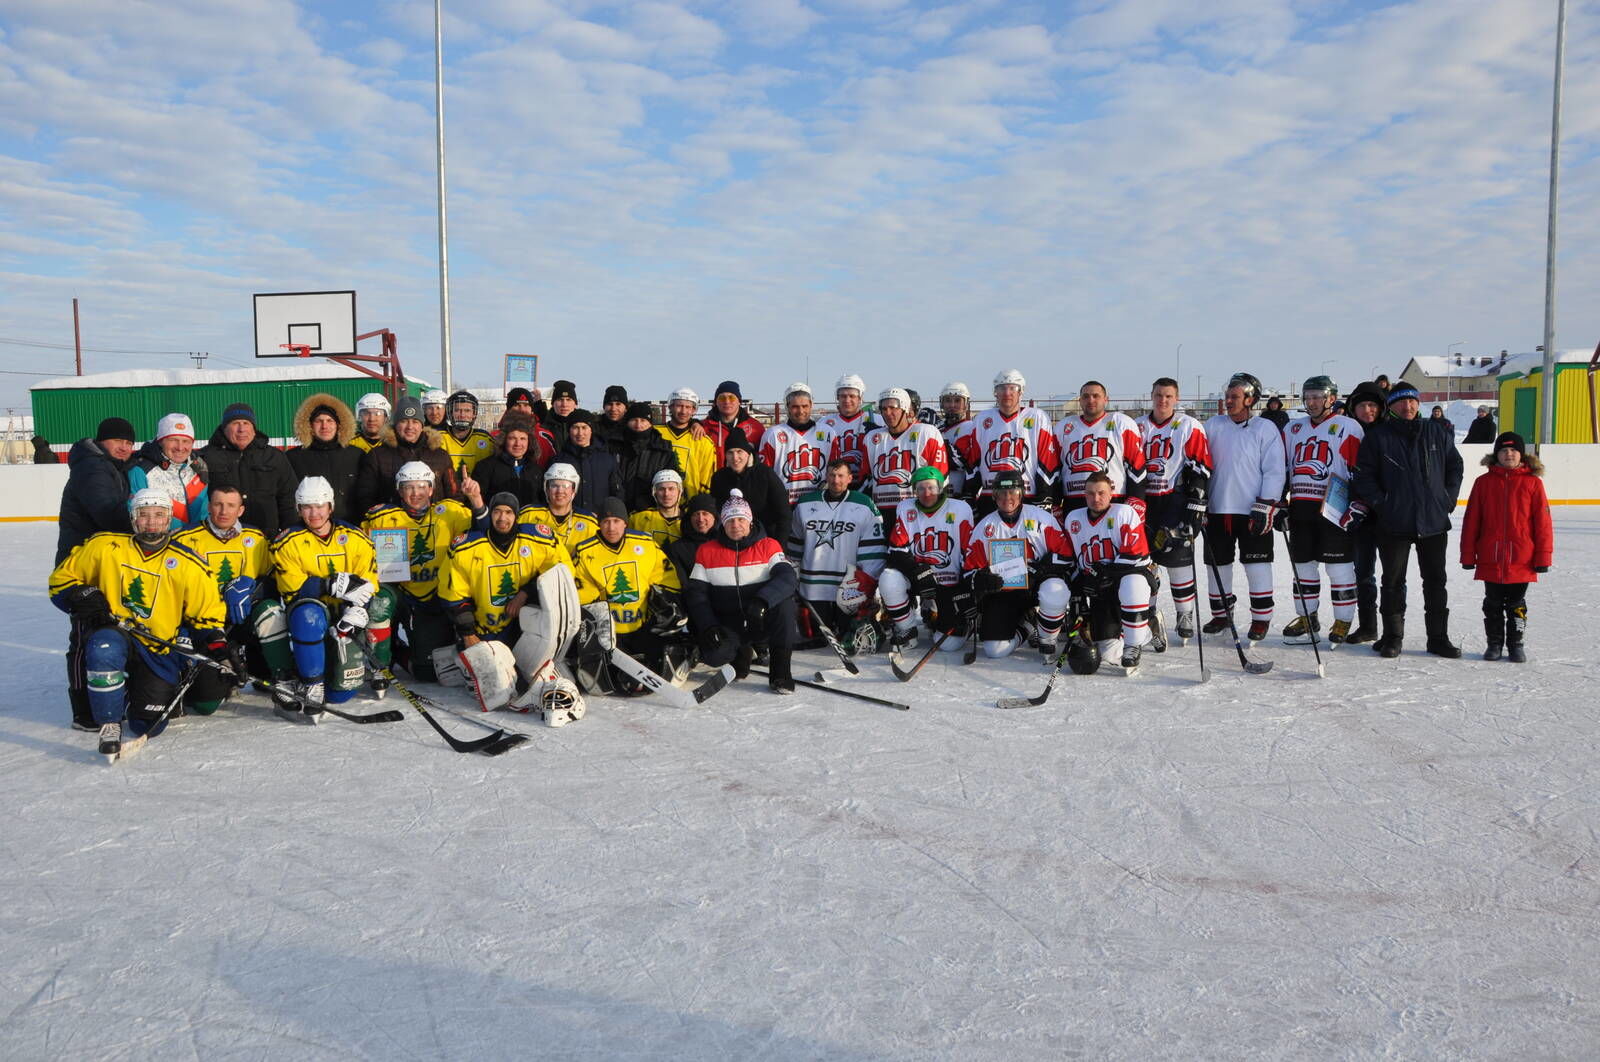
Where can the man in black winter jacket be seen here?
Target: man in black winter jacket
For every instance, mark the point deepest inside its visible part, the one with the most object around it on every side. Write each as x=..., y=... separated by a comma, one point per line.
x=238, y=456
x=407, y=441
x=1408, y=474
x=760, y=485
x=96, y=495
x=325, y=427
x=597, y=468
x=641, y=452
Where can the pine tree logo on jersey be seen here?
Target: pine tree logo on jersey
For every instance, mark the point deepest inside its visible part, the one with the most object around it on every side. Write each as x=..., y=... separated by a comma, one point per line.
x=225, y=573
x=623, y=583
x=139, y=589
x=505, y=588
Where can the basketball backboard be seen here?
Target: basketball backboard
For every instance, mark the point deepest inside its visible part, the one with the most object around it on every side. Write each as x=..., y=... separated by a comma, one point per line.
x=324, y=321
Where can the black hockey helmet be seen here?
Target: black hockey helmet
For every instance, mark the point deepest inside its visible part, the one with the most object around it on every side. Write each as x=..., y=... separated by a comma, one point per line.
x=462, y=395
x=1083, y=655
x=1322, y=384
x=1251, y=385
x=1008, y=479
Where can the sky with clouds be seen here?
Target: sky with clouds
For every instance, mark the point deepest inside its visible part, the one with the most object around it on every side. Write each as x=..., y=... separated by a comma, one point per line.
x=668, y=193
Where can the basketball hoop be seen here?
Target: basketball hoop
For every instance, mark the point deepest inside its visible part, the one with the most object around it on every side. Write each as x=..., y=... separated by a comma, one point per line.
x=300, y=349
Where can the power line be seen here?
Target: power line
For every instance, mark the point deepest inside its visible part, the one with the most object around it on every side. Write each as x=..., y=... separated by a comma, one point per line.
x=68, y=346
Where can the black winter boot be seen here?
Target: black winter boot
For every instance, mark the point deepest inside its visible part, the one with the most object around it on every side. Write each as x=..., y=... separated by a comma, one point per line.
x=780, y=679
x=1367, y=627
x=1439, y=644
x=1494, y=631
x=1516, y=626
x=1394, y=634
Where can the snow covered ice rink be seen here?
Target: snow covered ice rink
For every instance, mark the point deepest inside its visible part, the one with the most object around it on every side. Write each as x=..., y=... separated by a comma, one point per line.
x=1399, y=861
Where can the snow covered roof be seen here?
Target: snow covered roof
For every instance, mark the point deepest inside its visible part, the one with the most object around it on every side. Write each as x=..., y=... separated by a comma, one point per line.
x=1438, y=366
x=320, y=370
x=1526, y=363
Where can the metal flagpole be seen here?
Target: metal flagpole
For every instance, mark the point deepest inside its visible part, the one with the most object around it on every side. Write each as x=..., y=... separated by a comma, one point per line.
x=1547, y=403
x=444, y=239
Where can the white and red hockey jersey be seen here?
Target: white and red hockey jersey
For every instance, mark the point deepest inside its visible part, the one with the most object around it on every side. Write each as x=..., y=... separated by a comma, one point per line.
x=798, y=455
x=956, y=478
x=1033, y=525
x=892, y=458
x=1116, y=536
x=937, y=540
x=1111, y=444
x=1169, y=449
x=1022, y=442
x=1319, y=453
x=847, y=438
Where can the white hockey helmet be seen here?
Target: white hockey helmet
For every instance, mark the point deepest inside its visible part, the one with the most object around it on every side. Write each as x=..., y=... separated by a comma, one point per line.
x=149, y=498
x=434, y=397
x=685, y=394
x=374, y=400
x=799, y=387
x=895, y=394
x=1010, y=377
x=562, y=471
x=956, y=387
x=313, y=490
x=666, y=475
x=413, y=472
x=851, y=382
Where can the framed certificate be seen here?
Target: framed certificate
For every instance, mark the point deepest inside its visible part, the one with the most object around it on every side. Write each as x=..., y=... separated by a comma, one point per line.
x=1008, y=558
x=393, y=546
x=1338, y=499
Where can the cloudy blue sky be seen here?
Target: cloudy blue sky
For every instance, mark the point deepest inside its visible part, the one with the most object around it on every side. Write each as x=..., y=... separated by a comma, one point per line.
x=668, y=193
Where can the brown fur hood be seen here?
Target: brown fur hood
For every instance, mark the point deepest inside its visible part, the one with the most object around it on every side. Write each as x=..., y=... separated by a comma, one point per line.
x=302, y=419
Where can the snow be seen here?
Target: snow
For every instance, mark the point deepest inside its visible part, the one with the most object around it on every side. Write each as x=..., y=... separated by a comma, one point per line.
x=1399, y=861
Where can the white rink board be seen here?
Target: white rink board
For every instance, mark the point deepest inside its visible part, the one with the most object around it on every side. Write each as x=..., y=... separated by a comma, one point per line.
x=1397, y=862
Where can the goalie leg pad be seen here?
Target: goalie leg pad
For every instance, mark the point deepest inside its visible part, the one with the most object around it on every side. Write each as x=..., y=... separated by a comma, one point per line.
x=548, y=630
x=491, y=671
x=447, y=666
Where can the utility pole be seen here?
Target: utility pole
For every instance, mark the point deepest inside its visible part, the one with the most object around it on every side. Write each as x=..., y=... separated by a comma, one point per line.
x=1547, y=403
x=77, y=338
x=444, y=239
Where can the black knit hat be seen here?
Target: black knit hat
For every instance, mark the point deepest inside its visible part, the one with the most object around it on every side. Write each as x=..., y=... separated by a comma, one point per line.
x=640, y=411
x=408, y=409
x=615, y=393
x=1364, y=392
x=519, y=394
x=701, y=503
x=238, y=411
x=580, y=416
x=1511, y=439
x=114, y=428
x=729, y=387
x=505, y=497
x=564, y=389
x=738, y=440
x=324, y=408
x=613, y=507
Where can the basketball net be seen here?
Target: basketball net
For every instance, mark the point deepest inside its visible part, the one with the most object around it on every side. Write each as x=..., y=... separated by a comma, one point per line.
x=301, y=349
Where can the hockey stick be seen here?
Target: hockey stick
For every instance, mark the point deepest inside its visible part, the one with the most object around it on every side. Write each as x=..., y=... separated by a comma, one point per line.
x=1200, y=645
x=130, y=747
x=388, y=715
x=831, y=638
x=672, y=694
x=490, y=745
x=906, y=675
x=1254, y=667
x=1295, y=587
x=852, y=694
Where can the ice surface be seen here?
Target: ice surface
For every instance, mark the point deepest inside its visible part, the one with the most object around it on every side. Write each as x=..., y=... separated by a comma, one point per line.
x=1398, y=862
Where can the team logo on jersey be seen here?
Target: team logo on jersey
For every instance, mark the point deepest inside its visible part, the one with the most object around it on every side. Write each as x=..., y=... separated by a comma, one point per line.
x=1074, y=527
x=622, y=583
x=802, y=464
x=525, y=551
x=895, y=466
x=1088, y=454
x=933, y=546
x=1312, y=458
x=1157, y=449
x=439, y=508
x=458, y=539
x=249, y=540
x=638, y=551
x=139, y=590
x=502, y=586
x=827, y=532
x=342, y=538
x=1009, y=453
x=544, y=529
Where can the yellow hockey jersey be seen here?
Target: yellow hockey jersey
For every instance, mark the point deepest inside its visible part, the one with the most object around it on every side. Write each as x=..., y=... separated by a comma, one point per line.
x=465, y=453
x=365, y=445
x=622, y=576
x=697, y=458
x=299, y=554
x=163, y=591
x=569, y=530
x=246, y=554
x=663, y=530
x=428, y=539
x=489, y=577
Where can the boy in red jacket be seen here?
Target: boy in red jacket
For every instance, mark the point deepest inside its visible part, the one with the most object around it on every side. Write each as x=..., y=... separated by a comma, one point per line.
x=1506, y=536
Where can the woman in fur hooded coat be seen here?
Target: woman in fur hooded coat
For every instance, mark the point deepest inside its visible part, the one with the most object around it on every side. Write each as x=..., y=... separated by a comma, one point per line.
x=324, y=425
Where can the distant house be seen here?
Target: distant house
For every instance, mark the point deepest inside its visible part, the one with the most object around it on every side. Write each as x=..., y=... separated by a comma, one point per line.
x=1468, y=377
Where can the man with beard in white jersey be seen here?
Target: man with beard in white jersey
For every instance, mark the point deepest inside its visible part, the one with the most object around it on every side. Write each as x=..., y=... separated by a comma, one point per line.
x=1099, y=441
x=797, y=449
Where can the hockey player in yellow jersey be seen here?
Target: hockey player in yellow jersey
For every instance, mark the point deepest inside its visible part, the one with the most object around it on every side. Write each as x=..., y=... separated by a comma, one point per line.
x=697, y=454
x=239, y=557
x=325, y=569
x=465, y=444
x=626, y=583
x=430, y=528
x=492, y=572
x=557, y=515
x=664, y=522
x=144, y=578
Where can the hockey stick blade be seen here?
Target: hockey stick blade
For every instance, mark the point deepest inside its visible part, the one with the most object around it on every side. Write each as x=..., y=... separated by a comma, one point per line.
x=852, y=694
x=831, y=638
x=417, y=702
x=388, y=715
x=907, y=674
x=673, y=695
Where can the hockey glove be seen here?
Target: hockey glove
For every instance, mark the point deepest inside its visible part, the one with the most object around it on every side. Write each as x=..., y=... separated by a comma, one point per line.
x=902, y=561
x=352, y=589
x=924, y=585
x=214, y=644
x=1261, y=517
x=986, y=582
x=239, y=597
x=1353, y=516
x=1280, y=520
x=353, y=620
x=89, y=606
x=666, y=611
x=465, y=621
